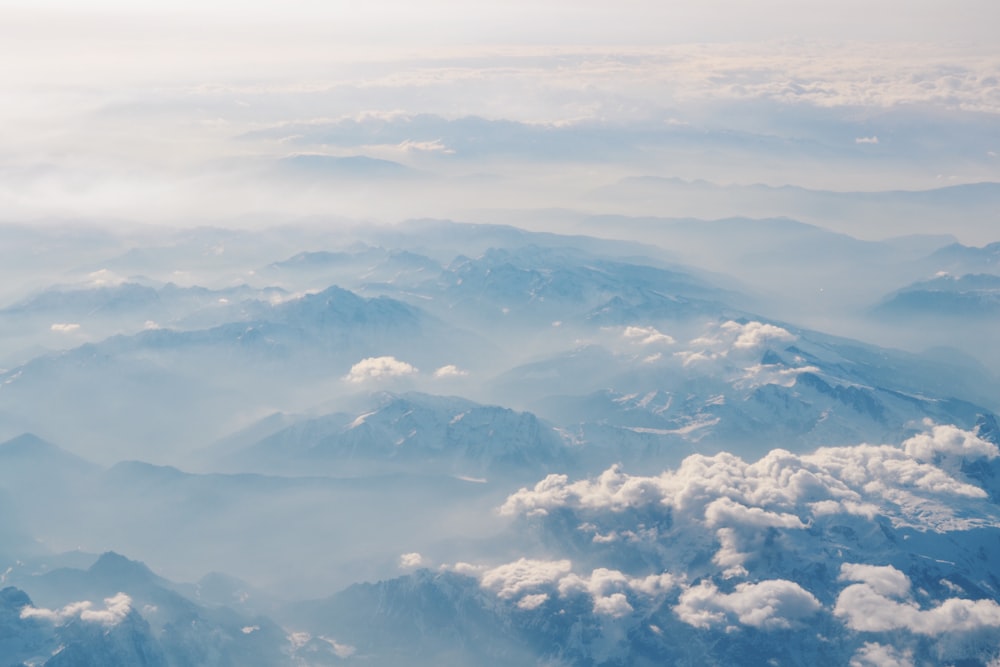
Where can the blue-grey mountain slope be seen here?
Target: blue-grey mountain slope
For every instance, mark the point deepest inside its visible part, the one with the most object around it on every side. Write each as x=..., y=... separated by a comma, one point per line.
x=966, y=297
x=142, y=622
x=743, y=386
x=412, y=433
x=127, y=391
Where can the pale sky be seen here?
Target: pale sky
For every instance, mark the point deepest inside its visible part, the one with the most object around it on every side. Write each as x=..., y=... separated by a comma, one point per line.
x=521, y=21
x=127, y=108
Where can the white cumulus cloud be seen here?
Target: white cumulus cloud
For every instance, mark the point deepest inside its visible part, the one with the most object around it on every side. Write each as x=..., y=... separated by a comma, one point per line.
x=615, y=605
x=647, y=336
x=948, y=439
x=769, y=605
x=734, y=508
x=873, y=654
x=529, y=602
x=523, y=575
x=880, y=602
x=379, y=368
x=753, y=335
x=735, y=339
x=533, y=582
x=411, y=560
x=117, y=607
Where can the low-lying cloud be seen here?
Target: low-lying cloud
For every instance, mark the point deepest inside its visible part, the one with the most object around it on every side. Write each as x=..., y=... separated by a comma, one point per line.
x=117, y=607
x=768, y=605
x=880, y=601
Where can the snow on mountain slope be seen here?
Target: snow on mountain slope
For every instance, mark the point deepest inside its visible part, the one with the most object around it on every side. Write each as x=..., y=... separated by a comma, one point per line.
x=741, y=385
x=535, y=286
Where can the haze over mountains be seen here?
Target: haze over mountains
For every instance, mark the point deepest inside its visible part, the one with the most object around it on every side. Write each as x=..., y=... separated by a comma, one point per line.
x=511, y=416
x=499, y=334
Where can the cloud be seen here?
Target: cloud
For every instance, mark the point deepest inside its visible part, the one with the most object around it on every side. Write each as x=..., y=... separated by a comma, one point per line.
x=647, y=336
x=754, y=335
x=411, y=560
x=529, y=602
x=733, y=509
x=948, y=439
x=533, y=582
x=690, y=357
x=873, y=654
x=615, y=605
x=435, y=146
x=116, y=609
x=379, y=368
x=866, y=140
x=342, y=651
x=613, y=489
x=725, y=511
x=883, y=579
x=880, y=602
x=450, y=371
x=64, y=327
x=523, y=575
x=103, y=278
x=735, y=339
x=741, y=534
x=762, y=374
x=769, y=605
x=608, y=589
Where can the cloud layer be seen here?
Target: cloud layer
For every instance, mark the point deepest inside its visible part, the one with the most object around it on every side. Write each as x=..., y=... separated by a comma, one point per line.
x=718, y=532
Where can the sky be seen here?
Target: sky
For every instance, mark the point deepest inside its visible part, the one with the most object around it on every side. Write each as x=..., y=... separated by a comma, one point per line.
x=441, y=22
x=171, y=112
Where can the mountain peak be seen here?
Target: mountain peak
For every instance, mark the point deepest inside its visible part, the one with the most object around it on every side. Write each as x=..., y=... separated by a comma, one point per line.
x=30, y=448
x=26, y=443
x=113, y=565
